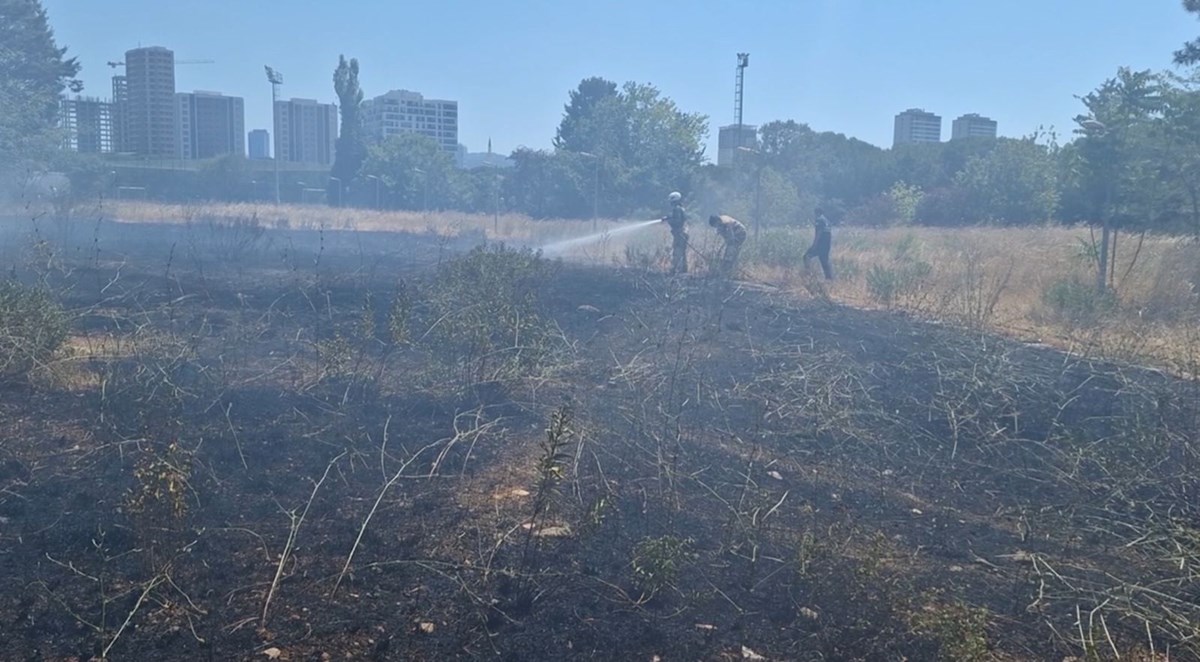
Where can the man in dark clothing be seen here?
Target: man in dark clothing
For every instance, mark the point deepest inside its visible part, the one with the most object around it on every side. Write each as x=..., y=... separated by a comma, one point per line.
x=677, y=220
x=734, y=234
x=822, y=242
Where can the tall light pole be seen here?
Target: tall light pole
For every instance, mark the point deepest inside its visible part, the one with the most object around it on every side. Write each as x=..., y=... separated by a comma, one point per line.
x=276, y=79
x=595, y=189
x=739, y=89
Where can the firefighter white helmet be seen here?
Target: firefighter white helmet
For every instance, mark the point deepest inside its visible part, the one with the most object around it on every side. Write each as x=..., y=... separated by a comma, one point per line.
x=675, y=196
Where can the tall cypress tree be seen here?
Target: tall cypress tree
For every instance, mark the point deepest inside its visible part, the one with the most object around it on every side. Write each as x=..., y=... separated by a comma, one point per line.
x=34, y=73
x=351, y=149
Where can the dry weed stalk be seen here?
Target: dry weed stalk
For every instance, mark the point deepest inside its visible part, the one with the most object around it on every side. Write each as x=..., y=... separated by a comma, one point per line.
x=293, y=532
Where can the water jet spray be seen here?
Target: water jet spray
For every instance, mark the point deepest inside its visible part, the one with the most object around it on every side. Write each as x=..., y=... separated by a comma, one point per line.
x=567, y=244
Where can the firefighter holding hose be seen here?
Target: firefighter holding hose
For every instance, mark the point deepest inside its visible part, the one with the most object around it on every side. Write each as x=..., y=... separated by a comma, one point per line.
x=677, y=221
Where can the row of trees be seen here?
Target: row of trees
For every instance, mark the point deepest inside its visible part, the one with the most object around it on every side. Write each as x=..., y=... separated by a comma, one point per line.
x=618, y=149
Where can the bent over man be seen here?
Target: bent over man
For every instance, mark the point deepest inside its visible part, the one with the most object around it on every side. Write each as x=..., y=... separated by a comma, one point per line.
x=677, y=220
x=734, y=234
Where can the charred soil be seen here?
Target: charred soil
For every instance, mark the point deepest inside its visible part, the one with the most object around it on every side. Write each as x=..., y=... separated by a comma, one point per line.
x=413, y=455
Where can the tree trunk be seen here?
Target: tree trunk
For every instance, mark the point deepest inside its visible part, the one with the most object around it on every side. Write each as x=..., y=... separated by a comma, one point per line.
x=1112, y=261
x=1102, y=256
x=1102, y=259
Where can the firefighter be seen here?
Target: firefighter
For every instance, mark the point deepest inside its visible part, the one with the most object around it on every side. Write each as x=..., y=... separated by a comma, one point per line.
x=677, y=220
x=822, y=242
x=734, y=234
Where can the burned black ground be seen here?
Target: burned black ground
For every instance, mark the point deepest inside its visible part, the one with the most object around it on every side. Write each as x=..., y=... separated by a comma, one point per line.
x=742, y=472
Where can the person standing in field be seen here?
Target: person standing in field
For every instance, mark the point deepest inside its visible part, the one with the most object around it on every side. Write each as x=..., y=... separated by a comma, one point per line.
x=734, y=234
x=822, y=243
x=677, y=221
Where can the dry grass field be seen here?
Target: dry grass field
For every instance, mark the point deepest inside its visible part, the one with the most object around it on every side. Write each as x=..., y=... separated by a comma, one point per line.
x=1031, y=283
x=246, y=433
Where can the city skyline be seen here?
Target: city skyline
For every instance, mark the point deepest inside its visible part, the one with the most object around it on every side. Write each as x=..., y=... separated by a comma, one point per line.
x=808, y=62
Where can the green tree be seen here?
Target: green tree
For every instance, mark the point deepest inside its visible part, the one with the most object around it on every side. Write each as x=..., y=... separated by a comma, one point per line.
x=662, y=145
x=575, y=132
x=905, y=199
x=825, y=165
x=1190, y=53
x=415, y=172
x=34, y=73
x=1112, y=165
x=546, y=184
x=1178, y=146
x=1016, y=182
x=645, y=144
x=351, y=146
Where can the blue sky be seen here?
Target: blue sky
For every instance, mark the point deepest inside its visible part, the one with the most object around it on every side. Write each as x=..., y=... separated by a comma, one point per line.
x=838, y=65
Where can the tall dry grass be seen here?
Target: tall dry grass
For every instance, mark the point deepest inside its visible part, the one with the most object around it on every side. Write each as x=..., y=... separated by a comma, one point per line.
x=1035, y=283
x=505, y=227
x=1032, y=282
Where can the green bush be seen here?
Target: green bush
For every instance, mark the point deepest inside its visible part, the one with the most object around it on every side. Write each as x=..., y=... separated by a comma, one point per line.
x=33, y=326
x=657, y=562
x=1073, y=301
x=889, y=285
x=485, y=312
x=778, y=247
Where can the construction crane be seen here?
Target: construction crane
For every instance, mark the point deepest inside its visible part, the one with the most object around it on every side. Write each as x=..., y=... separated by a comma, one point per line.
x=114, y=65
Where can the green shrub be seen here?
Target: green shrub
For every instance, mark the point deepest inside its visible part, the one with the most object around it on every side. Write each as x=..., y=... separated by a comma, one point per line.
x=658, y=561
x=889, y=285
x=485, y=312
x=778, y=247
x=1073, y=301
x=33, y=326
x=904, y=278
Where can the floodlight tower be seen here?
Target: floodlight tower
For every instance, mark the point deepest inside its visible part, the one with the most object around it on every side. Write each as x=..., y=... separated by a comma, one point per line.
x=276, y=79
x=743, y=61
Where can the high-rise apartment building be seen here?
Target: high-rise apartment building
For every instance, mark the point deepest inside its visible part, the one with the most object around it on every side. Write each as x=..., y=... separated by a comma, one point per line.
x=917, y=126
x=148, y=111
x=209, y=124
x=87, y=125
x=260, y=144
x=402, y=111
x=972, y=125
x=120, y=114
x=305, y=131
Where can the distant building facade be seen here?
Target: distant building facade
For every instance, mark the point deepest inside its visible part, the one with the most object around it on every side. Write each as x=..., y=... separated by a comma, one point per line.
x=972, y=125
x=87, y=125
x=209, y=124
x=148, y=103
x=260, y=144
x=402, y=111
x=917, y=126
x=305, y=131
x=732, y=137
x=120, y=114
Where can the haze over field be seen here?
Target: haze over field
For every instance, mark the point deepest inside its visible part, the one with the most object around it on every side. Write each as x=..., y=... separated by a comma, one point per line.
x=345, y=389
